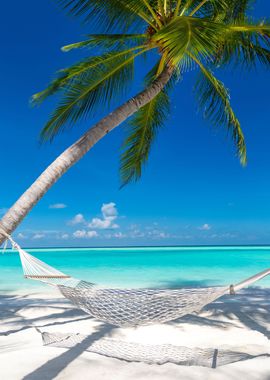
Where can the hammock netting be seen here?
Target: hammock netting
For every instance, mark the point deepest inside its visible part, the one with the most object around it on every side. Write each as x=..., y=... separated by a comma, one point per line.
x=122, y=307
x=147, y=353
x=132, y=307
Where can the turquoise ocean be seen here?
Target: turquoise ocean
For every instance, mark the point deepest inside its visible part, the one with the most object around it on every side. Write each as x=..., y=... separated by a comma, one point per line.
x=166, y=267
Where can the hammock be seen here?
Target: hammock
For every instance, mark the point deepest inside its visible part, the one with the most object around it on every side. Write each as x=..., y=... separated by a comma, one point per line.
x=127, y=307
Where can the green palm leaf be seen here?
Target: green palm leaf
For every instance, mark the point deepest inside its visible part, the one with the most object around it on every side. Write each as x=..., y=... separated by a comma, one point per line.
x=245, y=44
x=107, y=41
x=202, y=8
x=79, y=71
x=214, y=99
x=95, y=87
x=199, y=36
x=109, y=14
x=245, y=50
x=143, y=129
x=236, y=10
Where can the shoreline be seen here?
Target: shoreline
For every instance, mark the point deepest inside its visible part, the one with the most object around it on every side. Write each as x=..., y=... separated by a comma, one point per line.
x=145, y=247
x=241, y=322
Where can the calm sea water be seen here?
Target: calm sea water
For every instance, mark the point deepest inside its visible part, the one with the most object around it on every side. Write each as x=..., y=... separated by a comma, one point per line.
x=142, y=267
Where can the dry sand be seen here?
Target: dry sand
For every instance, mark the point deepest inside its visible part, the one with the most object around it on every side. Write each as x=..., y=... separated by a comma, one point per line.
x=240, y=323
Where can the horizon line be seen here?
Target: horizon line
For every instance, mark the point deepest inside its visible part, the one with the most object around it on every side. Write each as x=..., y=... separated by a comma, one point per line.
x=153, y=246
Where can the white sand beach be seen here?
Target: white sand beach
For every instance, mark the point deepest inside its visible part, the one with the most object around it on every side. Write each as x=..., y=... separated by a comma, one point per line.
x=239, y=323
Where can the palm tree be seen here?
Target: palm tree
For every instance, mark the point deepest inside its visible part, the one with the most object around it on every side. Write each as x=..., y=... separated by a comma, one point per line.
x=206, y=34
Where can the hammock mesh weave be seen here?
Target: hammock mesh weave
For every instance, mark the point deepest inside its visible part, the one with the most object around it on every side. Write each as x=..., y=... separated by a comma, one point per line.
x=132, y=307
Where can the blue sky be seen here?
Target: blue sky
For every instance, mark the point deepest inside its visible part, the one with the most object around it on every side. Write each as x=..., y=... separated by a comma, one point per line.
x=193, y=190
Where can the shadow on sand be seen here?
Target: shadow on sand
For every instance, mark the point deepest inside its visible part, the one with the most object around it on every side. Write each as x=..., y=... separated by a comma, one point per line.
x=251, y=307
x=53, y=367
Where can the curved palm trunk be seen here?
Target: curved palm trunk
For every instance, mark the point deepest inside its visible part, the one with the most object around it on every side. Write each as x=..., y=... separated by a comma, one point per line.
x=75, y=152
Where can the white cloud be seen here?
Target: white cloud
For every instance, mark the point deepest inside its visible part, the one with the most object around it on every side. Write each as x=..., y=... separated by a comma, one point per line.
x=223, y=235
x=157, y=234
x=78, y=219
x=109, y=210
x=109, y=214
x=136, y=233
x=99, y=223
x=21, y=236
x=49, y=232
x=91, y=234
x=81, y=234
x=64, y=236
x=163, y=235
x=119, y=235
x=103, y=224
x=205, y=227
x=58, y=206
x=38, y=236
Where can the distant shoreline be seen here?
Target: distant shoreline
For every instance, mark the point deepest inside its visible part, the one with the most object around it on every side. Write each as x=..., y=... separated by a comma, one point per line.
x=237, y=246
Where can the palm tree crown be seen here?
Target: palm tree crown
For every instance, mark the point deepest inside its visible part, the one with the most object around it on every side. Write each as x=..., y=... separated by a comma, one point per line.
x=206, y=34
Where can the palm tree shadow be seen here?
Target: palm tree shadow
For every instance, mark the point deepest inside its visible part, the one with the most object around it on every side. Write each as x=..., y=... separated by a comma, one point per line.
x=251, y=307
x=53, y=367
x=13, y=305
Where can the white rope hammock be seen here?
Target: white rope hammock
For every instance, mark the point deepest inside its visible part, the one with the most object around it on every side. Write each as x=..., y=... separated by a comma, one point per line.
x=127, y=307
x=133, y=307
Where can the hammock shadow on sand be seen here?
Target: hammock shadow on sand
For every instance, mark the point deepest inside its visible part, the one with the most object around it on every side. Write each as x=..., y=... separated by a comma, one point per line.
x=147, y=353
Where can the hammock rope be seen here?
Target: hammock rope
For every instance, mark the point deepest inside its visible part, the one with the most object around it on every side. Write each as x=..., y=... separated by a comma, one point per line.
x=127, y=307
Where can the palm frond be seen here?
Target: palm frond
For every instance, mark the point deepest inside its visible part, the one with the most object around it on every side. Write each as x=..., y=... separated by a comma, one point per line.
x=177, y=8
x=80, y=71
x=236, y=10
x=152, y=11
x=245, y=51
x=161, y=8
x=198, y=7
x=203, y=8
x=107, y=41
x=143, y=129
x=214, y=99
x=262, y=28
x=108, y=15
x=199, y=36
x=186, y=5
x=246, y=44
x=96, y=87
